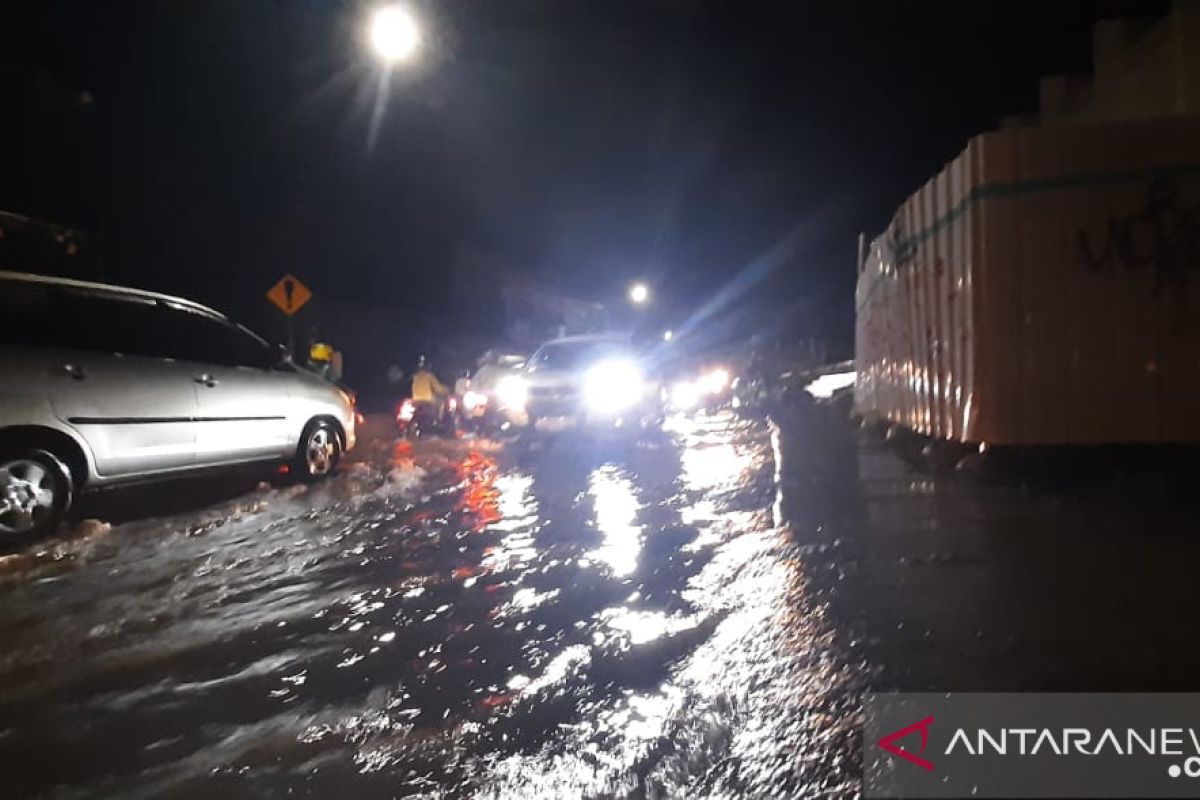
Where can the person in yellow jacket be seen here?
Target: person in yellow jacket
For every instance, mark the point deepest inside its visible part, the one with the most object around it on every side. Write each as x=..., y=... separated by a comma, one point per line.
x=426, y=390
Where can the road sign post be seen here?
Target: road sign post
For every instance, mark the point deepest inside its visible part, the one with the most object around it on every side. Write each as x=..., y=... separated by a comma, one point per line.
x=289, y=295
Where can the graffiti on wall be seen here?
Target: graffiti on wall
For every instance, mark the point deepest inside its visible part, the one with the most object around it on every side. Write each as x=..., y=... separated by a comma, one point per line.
x=903, y=248
x=1163, y=236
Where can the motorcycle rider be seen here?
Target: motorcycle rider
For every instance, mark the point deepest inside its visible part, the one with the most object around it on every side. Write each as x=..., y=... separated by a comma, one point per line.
x=427, y=391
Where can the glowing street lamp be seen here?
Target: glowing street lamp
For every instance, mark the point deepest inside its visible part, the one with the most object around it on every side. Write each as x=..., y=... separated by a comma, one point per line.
x=639, y=293
x=394, y=34
x=668, y=335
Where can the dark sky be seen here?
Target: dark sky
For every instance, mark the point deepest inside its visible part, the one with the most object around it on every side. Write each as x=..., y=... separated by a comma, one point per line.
x=215, y=145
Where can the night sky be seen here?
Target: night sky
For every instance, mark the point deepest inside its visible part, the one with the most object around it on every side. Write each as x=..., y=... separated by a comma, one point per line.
x=215, y=145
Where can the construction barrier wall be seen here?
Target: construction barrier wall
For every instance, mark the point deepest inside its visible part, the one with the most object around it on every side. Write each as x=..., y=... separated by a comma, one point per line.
x=1044, y=288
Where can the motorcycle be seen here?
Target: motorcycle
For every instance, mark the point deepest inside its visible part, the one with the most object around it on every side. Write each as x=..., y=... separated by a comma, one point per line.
x=437, y=418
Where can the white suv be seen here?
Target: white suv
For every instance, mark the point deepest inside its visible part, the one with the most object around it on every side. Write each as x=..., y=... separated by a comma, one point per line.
x=595, y=382
x=103, y=385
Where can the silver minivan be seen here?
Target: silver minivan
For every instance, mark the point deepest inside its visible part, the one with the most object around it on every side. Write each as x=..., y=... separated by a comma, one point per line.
x=101, y=385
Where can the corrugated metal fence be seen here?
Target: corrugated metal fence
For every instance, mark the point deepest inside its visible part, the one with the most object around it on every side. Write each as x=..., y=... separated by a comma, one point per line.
x=1044, y=288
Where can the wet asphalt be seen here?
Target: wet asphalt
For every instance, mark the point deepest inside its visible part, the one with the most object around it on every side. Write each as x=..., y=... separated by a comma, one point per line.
x=694, y=613
x=466, y=618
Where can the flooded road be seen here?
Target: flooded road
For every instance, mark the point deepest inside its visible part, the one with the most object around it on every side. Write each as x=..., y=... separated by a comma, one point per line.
x=692, y=615
x=590, y=619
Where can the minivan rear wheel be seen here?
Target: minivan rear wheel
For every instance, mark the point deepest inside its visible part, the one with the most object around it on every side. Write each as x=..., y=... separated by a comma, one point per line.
x=35, y=492
x=319, y=452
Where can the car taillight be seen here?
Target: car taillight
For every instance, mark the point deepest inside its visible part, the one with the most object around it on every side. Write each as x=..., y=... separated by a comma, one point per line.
x=405, y=411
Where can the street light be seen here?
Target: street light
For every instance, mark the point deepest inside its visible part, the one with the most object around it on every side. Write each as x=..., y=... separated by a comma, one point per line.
x=668, y=335
x=639, y=293
x=394, y=34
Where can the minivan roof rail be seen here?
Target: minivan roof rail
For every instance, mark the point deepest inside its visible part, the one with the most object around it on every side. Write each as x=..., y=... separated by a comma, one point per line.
x=72, y=283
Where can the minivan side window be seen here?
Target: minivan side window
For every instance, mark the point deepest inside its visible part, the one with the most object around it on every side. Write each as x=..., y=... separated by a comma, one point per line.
x=43, y=315
x=198, y=337
x=40, y=315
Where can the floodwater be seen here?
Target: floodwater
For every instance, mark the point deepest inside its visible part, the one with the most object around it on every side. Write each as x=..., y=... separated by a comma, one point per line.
x=588, y=619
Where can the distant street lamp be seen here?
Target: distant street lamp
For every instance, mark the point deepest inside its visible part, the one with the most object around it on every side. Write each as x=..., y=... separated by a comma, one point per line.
x=668, y=335
x=395, y=35
x=639, y=293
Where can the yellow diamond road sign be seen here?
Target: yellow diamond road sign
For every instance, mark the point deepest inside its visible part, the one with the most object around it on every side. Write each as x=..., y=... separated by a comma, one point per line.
x=289, y=294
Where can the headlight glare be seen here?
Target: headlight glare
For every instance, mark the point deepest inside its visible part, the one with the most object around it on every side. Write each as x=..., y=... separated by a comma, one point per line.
x=473, y=400
x=685, y=395
x=512, y=392
x=714, y=381
x=612, y=386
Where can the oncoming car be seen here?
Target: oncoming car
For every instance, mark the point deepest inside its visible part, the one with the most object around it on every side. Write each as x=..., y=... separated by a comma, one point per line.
x=105, y=385
x=481, y=408
x=593, y=382
x=708, y=389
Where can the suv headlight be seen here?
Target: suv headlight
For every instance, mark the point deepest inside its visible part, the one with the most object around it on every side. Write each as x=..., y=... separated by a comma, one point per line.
x=612, y=386
x=512, y=392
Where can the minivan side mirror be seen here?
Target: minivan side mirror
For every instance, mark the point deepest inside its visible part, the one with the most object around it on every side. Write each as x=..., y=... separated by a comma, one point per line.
x=285, y=360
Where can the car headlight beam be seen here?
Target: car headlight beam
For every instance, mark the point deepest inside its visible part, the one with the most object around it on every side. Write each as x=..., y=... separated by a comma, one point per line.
x=611, y=387
x=685, y=395
x=714, y=381
x=512, y=392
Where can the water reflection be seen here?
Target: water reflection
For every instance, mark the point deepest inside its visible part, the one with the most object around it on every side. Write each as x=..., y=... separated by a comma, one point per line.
x=643, y=626
x=616, y=507
x=518, y=518
x=646, y=715
x=713, y=465
x=559, y=669
x=710, y=455
x=516, y=503
x=481, y=496
x=777, y=456
x=586, y=624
